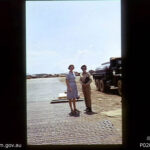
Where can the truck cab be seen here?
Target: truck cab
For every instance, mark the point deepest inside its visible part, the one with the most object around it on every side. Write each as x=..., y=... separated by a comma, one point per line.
x=109, y=75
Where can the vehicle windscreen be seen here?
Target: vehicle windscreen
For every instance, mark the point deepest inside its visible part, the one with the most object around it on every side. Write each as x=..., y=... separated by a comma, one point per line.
x=116, y=63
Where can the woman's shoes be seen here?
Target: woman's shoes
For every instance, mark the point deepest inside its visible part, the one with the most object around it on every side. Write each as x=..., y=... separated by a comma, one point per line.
x=72, y=113
x=88, y=110
x=76, y=110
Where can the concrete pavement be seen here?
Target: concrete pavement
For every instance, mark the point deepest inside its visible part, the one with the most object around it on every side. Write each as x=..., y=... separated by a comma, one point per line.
x=51, y=124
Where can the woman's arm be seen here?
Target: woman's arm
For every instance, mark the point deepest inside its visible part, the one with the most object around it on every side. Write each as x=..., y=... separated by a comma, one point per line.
x=68, y=86
x=83, y=84
x=81, y=81
x=89, y=82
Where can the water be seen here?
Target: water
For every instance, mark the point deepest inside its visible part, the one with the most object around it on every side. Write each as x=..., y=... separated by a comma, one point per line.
x=44, y=89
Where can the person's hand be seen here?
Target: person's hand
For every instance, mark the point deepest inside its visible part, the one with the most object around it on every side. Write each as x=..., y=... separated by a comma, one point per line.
x=78, y=97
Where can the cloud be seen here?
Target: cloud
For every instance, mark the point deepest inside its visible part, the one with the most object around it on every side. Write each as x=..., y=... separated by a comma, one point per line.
x=78, y=58
x=41, y=61
x=55, y=62
x=40, y=53
x=56, y=40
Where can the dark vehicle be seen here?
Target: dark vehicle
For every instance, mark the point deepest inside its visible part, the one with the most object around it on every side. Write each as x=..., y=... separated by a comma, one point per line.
x=109, y=76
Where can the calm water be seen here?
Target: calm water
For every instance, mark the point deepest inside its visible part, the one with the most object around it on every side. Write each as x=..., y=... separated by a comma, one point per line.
x=44, y=89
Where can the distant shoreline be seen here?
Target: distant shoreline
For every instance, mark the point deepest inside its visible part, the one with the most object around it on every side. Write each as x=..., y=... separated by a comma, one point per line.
x=48, y=75
x=43, y=77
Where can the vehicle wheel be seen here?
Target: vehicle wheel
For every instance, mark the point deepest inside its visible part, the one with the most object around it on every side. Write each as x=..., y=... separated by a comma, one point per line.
x=97, y=84
x=119, y=84
x=102, y=86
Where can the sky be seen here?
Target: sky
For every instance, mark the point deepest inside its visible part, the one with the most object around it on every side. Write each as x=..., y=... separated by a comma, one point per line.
x=60, y=33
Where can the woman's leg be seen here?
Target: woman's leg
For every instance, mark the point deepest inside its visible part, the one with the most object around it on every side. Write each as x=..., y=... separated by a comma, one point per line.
x=70, y=104
x=74, y=103
x=85, y=96
x=88, y=94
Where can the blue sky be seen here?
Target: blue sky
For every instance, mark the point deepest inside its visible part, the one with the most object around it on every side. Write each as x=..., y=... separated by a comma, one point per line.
x=60, y=33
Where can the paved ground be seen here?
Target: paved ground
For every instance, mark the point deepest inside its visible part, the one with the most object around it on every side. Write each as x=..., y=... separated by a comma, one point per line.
x=51, y=124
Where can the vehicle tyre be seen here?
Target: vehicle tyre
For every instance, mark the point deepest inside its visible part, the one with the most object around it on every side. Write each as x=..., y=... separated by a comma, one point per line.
x=102, y=86
x=97, y=84
x=119, y=84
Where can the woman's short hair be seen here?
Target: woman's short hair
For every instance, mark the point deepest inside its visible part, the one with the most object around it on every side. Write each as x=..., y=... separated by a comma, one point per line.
x=70, y=66
x=83, y=66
